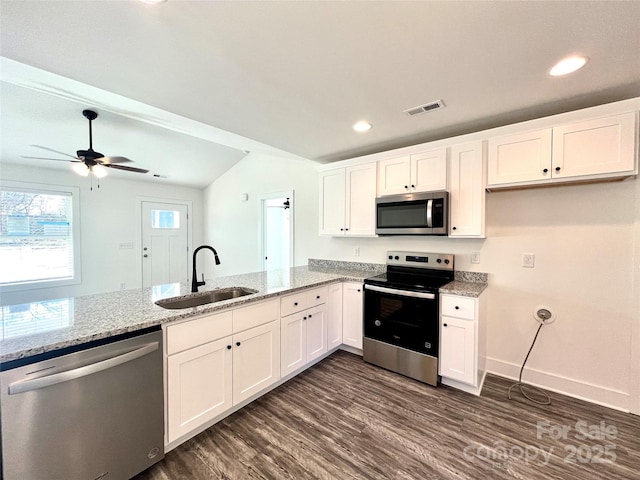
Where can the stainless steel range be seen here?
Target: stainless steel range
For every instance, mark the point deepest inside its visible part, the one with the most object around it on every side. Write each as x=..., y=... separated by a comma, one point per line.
x=401, y=314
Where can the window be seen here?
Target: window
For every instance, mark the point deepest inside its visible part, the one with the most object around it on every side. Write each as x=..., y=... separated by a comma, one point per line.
x=165, y=219
x=39, y=236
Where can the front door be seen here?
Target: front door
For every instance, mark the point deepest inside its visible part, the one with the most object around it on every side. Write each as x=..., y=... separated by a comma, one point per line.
x=165, y=255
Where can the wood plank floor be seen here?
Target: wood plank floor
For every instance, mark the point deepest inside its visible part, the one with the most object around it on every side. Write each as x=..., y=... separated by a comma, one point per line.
x=345, y=419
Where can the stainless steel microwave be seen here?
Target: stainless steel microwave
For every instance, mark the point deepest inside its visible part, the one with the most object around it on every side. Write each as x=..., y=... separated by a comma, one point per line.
x=413, y=214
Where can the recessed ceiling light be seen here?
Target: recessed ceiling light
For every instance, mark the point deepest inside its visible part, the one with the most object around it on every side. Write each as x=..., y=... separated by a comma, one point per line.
x=362, y=126
x=568, y=65
x=153, y=2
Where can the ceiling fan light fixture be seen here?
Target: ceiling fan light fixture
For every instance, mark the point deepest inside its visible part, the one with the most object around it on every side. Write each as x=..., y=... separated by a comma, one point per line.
x=80, y=169
x=568, y=65
x=99, y=171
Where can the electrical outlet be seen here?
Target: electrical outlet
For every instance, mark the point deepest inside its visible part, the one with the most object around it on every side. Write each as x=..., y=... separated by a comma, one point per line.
x=356, y=252
x=475, y=257
x=123, y=286
x=528, y=260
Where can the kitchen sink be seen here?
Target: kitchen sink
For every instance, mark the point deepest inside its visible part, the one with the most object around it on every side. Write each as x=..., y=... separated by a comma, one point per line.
x=205, y=297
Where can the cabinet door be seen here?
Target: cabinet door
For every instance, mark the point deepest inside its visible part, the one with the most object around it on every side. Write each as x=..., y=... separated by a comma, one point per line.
x=332, y=202
x=316, y=332
x=394, y=176
x=523, y=157
x=429, y=171
x=600, y=146
x=361, y=196
x=256, y=360
x=352, y=314
x=457, y=350
x=199, y=386
x=466, y=190
x=334, y=316
x=293, y=342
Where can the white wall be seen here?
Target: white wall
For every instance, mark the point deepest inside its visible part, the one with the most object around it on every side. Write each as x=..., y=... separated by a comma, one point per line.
x=586, y=243
x=232, y=226
x=108, y=217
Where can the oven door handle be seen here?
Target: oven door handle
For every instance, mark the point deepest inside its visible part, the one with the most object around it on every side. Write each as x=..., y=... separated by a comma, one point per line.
x=402, y=293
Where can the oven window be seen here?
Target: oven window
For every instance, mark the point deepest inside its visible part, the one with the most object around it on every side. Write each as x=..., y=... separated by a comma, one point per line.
x=407, y=322
x=404, y=214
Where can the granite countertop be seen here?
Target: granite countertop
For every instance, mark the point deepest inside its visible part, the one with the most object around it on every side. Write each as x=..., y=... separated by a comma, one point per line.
x=42, y=326
x=39, y=327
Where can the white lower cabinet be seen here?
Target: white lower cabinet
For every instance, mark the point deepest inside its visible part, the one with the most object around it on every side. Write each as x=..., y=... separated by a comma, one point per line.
x=217, y=361
x=303, y=337
x=352, y=299
x=199, y=386
x=256, y=360
x=462, y=356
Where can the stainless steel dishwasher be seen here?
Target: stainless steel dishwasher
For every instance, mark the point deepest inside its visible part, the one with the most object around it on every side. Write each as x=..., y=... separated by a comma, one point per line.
x=92, y=412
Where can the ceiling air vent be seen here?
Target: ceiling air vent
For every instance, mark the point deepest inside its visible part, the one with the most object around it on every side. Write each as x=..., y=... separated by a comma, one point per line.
x=427, y=107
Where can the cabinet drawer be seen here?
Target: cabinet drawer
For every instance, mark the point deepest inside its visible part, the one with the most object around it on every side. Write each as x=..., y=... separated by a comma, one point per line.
x=302, y=300
x=317, y=296
x=460, y=307
x=254, y=315
x=196, y=332
x=293, y=303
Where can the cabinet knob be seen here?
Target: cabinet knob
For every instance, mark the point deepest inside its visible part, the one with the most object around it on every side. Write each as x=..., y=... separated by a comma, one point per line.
x=545, y=170
x=237, y=344
x=358, y=289
x=413, y=186
x=557, y=169
x=457, y=307
x=406, y=186
x=318, y=297
x=346, y=229
x=342, y=229
x=454, y=228
x=310, y=315
x=444, y=324
x=295, y=304
x=304, y=318
x=228, y=347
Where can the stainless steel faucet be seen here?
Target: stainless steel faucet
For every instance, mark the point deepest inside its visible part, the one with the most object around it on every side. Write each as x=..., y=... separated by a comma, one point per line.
x=194, y=276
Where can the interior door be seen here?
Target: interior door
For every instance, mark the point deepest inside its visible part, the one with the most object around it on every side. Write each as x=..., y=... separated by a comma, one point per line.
x=277, y=231
x=165, y=255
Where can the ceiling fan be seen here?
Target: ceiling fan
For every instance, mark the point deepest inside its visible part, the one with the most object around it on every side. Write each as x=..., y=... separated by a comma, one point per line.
x=90, y=161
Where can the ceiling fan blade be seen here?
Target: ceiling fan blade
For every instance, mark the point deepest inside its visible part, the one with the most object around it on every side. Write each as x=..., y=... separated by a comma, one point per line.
x=55, y=151
x=56, y=159
x=128, y=169
x=111, y=160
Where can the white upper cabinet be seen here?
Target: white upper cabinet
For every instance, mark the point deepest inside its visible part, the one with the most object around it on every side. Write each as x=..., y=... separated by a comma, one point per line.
x=520, y=158
x=332, y=202
x=595, y=147
x=422, y=172
x=599, y=148
x=467, y=190
x=347, y=201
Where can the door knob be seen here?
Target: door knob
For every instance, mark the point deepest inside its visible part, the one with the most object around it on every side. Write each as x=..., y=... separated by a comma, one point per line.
x=145, y=255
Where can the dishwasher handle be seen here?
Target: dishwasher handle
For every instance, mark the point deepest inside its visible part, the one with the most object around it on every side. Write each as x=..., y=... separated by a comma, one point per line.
x=23, y=386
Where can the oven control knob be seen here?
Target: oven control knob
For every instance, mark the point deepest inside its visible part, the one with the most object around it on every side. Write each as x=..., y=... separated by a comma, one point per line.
x=397, y=257
x=446, y=262
x=439, y=260
x=390, y=257
x=377, y=323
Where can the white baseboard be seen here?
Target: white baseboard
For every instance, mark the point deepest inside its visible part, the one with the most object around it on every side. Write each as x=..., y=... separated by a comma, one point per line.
x=567, y=386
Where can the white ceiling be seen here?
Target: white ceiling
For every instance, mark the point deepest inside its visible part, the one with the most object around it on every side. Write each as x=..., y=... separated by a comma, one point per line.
x=296, y=75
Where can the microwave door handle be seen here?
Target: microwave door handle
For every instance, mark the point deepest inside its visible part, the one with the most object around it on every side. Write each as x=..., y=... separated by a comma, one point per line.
x=430, y=213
